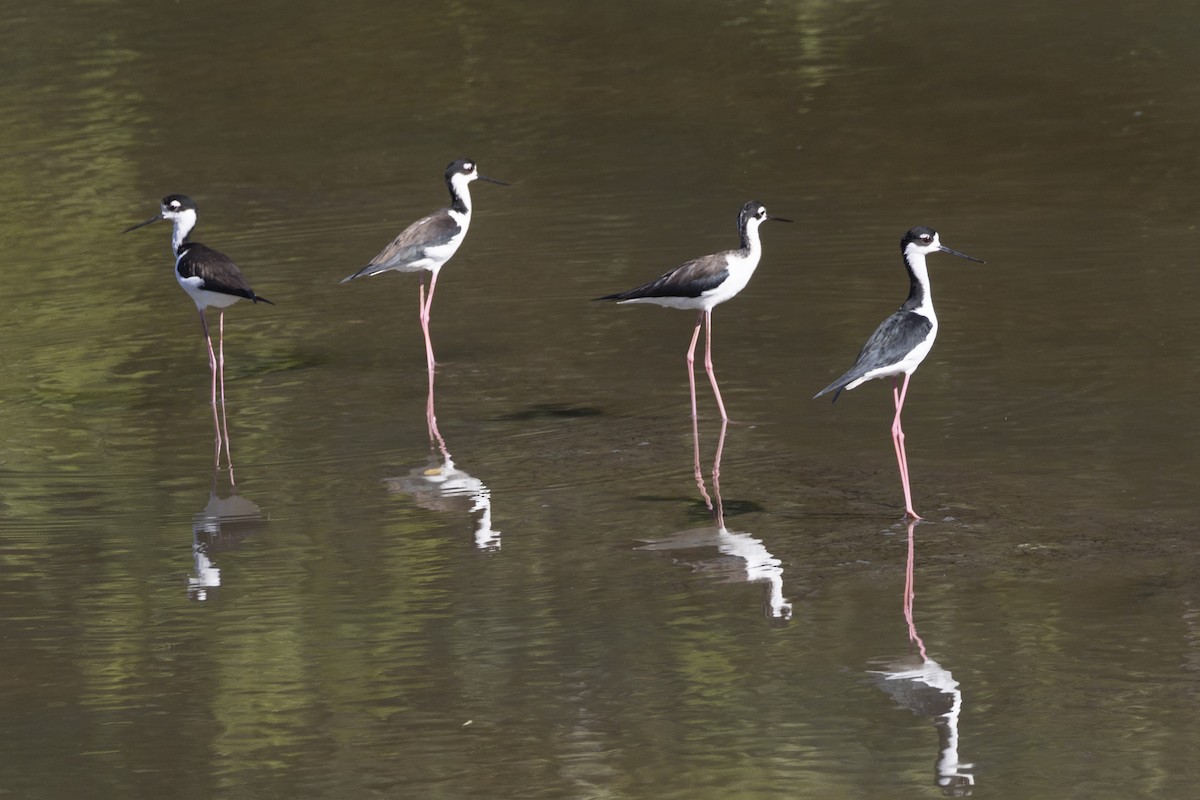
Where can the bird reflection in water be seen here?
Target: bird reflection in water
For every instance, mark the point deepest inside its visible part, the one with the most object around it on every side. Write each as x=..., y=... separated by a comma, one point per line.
x=927, y=689
x=441, y=486
x=741, y=557
x=222, y=525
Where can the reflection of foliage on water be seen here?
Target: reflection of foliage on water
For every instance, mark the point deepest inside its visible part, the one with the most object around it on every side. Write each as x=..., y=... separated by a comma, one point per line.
x=60, y=361
x=352, y=644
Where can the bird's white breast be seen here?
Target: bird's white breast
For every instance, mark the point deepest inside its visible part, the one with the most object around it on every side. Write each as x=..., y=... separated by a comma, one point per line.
x=203, y=298
x=437, y=255
x=909, y=363
x=741, y=268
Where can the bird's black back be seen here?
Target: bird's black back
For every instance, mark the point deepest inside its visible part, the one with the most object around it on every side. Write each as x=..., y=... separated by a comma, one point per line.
x=895, y=338
x=216, y=270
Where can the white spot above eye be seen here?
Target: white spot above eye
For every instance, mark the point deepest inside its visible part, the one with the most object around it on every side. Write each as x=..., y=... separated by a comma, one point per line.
x=469, y=167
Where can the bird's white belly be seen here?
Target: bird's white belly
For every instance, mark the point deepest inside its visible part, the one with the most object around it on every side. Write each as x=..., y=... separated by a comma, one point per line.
x=737, y=280
x=740, y=271
x=687, y=303
x=905, y=366
x=204, y=298
x=437, y=255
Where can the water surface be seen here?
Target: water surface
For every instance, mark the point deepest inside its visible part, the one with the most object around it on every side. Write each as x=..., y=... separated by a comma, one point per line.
x=547, y=608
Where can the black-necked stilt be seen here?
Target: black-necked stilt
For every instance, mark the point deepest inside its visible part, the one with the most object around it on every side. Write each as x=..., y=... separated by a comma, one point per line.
x=705, y=283
x=431, y=241
x=901, y=341
x=211, y=279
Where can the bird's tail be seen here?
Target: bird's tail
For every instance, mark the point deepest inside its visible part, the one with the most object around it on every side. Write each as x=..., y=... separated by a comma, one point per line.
x=836, y=387
x=368, y=270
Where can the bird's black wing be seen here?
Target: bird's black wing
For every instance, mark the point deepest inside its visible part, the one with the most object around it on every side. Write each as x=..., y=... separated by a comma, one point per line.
x=691, y=279
x=892, y=340
x=216, y=270
x=411, y=243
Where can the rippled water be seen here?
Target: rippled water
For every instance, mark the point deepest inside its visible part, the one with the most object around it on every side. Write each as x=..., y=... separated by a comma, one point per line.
x=547, y=607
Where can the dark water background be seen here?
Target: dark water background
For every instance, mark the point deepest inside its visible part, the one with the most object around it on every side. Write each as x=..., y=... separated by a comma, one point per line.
x=571, y=623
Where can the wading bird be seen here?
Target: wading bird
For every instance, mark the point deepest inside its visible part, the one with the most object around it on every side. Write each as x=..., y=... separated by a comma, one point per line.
x=211, y=279
x=901, y=341
x=431, y=241
x=704, y=283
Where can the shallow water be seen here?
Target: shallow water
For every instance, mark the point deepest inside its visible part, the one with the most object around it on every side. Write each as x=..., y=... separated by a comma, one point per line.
x=554, y=612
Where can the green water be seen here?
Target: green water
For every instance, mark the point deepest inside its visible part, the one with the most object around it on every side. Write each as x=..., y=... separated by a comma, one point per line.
x=567, y=621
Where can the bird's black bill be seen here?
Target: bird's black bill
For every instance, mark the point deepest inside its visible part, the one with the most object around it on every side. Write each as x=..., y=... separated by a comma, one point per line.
x=155, y=218
x=492, y=180
x=778, y=219
x=945, y=249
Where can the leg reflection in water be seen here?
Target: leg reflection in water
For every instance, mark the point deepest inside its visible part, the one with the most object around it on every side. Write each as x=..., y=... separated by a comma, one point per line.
x=741, y=557
x=442, y=486
x=222, y=525
x=927, y=689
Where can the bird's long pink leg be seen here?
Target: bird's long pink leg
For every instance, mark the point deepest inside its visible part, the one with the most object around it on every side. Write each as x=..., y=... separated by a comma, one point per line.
x=708, y=363
x=691, y=362
x=424, y=327
x=212, y=367
x=426, y=305
x=898, y=441
x=221, y=371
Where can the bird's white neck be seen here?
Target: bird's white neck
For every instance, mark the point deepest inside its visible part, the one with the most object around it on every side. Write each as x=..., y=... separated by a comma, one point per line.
x=920, y=296
x=751, y=242
x=460, y=193
x=184, y=221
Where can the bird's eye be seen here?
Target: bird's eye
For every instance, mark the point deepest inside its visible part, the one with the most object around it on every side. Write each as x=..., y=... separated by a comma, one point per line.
x=762, y=212
x=925, y=237
x=468, y=167
x=174, y=205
